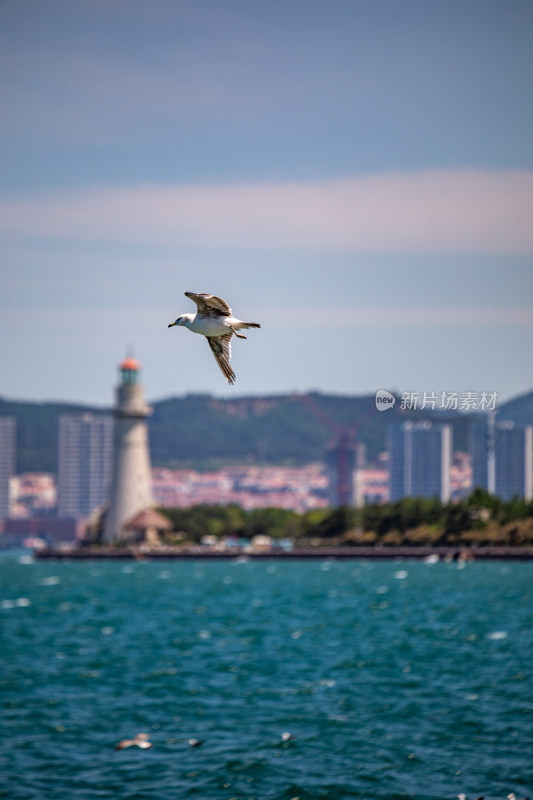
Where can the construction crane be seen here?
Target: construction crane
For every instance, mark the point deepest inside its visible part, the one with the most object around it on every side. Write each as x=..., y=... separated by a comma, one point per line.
x=342, y=450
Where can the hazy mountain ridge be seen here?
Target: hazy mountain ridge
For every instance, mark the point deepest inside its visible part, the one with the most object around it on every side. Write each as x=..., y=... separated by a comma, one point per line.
x=203, y=431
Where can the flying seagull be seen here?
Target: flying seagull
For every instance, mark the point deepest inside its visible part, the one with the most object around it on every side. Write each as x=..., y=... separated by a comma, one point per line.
x=214, y=319
x=287, y=737
x=140, y=740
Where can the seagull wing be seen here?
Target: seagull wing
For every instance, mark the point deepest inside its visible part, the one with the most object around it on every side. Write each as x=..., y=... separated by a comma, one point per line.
x=209, y=305
x=221, y=348
x=124, y=743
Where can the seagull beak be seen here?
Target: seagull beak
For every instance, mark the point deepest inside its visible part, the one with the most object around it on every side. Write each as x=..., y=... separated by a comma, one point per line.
x=171, y=324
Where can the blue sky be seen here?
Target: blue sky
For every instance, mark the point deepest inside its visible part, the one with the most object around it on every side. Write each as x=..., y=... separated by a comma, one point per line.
x=356, y=176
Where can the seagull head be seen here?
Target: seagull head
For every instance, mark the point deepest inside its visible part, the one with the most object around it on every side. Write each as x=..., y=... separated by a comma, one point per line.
x=183, y=320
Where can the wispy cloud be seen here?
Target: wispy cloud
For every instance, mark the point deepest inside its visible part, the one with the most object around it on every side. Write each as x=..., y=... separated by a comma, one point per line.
x=435, y=211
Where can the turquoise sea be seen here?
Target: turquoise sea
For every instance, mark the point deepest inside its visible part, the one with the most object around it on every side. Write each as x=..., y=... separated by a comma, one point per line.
x=397, y=679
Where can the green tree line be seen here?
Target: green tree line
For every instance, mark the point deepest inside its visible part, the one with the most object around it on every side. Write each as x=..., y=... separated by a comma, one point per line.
x=480, y=519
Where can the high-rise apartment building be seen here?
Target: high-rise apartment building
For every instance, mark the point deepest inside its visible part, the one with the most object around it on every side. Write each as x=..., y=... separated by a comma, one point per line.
x=419, y=457
x=510, y=446
x=514, y=461
x=85, y=463
x=8, y=427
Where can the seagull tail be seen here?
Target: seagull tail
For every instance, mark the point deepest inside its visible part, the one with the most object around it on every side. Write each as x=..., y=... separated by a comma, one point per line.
x=247, y=325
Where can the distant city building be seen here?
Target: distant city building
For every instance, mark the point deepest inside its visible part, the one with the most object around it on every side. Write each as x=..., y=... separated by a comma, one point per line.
x=33, y=494
x=32, y=531
x=514, y=461
x=345, y=460
x=296, y=488
x=510, y=447
x=8, y=427
x=460, y=476
x=420, y=459
x=375, y=485
x=131, y=484
x=85, y=463
x=479, y=454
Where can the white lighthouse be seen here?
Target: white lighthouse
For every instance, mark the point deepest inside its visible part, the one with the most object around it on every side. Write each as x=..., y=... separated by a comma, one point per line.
x=131, y=483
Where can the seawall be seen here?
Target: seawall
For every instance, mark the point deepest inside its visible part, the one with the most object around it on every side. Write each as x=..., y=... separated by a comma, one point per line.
x=141, y=553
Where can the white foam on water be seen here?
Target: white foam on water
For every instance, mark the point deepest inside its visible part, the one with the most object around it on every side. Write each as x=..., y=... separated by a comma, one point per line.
x=401, y=574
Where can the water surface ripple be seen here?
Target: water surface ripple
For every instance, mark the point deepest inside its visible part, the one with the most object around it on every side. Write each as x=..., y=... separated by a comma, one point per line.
x=397, y=679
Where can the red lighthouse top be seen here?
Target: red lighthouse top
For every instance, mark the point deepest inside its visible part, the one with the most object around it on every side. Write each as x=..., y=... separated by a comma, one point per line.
x=129, y=371
x=131, y=364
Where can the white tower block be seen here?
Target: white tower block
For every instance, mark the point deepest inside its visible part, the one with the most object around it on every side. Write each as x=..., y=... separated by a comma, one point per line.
x=131, y=484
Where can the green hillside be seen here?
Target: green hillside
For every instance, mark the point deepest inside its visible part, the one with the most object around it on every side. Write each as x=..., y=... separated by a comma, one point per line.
x=201, y=431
